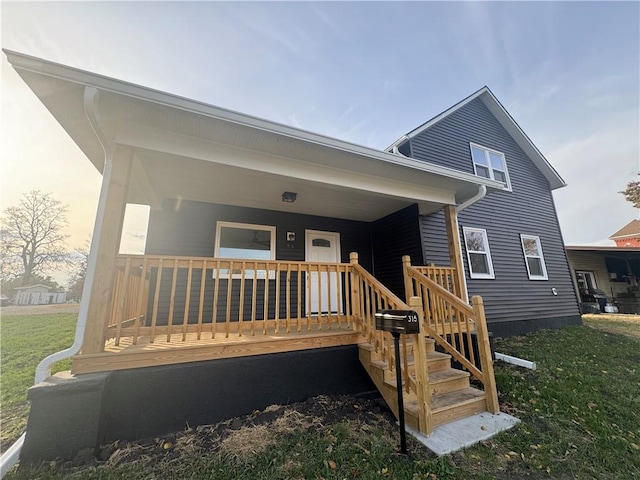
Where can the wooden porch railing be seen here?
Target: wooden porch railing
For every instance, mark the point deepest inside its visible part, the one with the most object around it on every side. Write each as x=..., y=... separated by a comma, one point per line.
x=446, y=277
x=451, y=322
x=162, y=296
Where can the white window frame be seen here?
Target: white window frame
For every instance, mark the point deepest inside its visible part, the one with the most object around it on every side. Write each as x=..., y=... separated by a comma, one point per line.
x=223, y=273
x=487, y=252
x=544, y=275
x=507, y=185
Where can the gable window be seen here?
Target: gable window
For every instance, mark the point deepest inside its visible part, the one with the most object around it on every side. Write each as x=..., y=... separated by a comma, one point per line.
x=532, y=249
x=247, y=242
x=478, y=254
x=490, y=163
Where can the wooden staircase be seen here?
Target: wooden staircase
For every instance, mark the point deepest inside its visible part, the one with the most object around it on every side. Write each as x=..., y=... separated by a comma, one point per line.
x=450, y=393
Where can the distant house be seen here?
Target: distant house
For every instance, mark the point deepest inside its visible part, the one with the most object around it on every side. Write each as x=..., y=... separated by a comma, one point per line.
x=270, y=250
x=38, y=295
x=628, y=236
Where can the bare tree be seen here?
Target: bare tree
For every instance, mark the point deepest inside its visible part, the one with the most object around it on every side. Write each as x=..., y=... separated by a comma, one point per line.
x=33, y=239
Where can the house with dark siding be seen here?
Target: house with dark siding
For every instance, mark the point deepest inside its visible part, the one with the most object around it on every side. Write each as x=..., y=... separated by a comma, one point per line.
x=270, y=250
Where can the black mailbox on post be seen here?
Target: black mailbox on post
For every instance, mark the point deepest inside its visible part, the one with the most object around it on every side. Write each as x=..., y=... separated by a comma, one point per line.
x=397, y=321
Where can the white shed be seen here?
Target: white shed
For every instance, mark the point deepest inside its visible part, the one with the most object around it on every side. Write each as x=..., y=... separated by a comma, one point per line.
x=38, y=295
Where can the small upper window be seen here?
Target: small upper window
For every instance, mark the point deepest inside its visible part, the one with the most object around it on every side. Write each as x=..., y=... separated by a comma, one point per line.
x=490, y=164
x=478, y=254
x=534, y=258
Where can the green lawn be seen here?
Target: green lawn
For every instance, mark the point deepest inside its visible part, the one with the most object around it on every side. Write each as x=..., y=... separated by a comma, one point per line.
x=24, y=341
x=580, y=415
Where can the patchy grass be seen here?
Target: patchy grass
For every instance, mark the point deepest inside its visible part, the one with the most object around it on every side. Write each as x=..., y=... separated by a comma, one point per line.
x=623, y=324
x=580, y=409
x=580, y=415
x=24, y=341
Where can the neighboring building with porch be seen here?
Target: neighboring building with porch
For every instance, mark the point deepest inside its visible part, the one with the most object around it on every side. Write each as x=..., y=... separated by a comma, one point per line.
x=270, y=249
x=38, y=295
x=609, y=274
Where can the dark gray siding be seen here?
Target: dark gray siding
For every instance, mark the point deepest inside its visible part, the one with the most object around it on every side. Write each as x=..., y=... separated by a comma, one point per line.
x=396, y=235
x=434, y=239
x=189, y=230
x=528, y=209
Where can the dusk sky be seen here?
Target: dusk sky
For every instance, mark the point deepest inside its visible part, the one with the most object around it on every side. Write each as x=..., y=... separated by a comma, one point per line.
x=366, y=72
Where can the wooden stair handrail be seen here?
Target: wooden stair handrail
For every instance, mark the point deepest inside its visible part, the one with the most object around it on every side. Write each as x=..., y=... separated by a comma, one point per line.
x=473, y=315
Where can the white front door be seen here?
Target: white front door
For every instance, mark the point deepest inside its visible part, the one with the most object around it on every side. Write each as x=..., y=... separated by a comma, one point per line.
x=326, y=294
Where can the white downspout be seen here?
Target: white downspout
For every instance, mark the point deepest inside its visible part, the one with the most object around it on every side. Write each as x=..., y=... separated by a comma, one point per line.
x=43, y=370
x=482, y=191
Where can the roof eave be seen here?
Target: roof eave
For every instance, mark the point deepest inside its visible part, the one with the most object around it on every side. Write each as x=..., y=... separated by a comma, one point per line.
x=83, y=78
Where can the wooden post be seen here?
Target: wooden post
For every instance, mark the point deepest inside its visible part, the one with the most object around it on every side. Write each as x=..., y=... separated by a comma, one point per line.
x=105, y=246
x=408, y=281
x=355, y=290
x=486, y=362
x=455, y=253
x=422, y=374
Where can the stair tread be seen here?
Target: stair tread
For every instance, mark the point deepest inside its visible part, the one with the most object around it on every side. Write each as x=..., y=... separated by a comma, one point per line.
x=439, y=376
x=367, y=346
x=381, y=364
x=437, y=356
x=444, y=401
x=447, y=374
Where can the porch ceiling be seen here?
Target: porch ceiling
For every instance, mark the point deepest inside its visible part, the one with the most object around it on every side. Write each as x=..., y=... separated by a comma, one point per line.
x=190, y=150
x=192, y=179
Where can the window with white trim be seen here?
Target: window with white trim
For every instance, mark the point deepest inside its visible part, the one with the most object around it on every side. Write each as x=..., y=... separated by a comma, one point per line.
x=534, y=258
x=478, y=253
x=247, y=242
x=490, y=163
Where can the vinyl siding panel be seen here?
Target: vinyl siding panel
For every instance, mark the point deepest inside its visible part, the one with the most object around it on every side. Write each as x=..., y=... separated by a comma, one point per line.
x=434, y=239
x=394, y=236
x=527, y=209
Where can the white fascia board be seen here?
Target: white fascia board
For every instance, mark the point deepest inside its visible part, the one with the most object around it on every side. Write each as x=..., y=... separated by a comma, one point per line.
x=418, y=130
x=521, y=138
x=74, y=75
x=630, y=235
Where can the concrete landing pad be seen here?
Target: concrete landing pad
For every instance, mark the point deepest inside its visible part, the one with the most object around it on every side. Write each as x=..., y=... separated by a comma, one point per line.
x=464, y=432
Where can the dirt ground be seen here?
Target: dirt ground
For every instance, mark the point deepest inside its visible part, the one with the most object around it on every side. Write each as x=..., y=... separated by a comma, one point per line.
x=40, y=309
x=252, y=433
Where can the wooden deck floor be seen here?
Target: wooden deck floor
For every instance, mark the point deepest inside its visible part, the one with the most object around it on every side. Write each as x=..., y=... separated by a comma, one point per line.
x=163, y=352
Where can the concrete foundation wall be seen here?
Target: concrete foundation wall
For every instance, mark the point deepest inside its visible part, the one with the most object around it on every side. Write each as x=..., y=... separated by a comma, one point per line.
x=72, y=413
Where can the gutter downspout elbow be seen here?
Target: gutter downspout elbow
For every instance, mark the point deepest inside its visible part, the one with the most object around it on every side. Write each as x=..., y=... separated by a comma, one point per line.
x=395, y=147
x=482, y=192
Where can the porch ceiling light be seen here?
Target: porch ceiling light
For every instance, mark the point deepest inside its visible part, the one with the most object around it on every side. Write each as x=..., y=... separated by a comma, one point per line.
x=289, y=197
